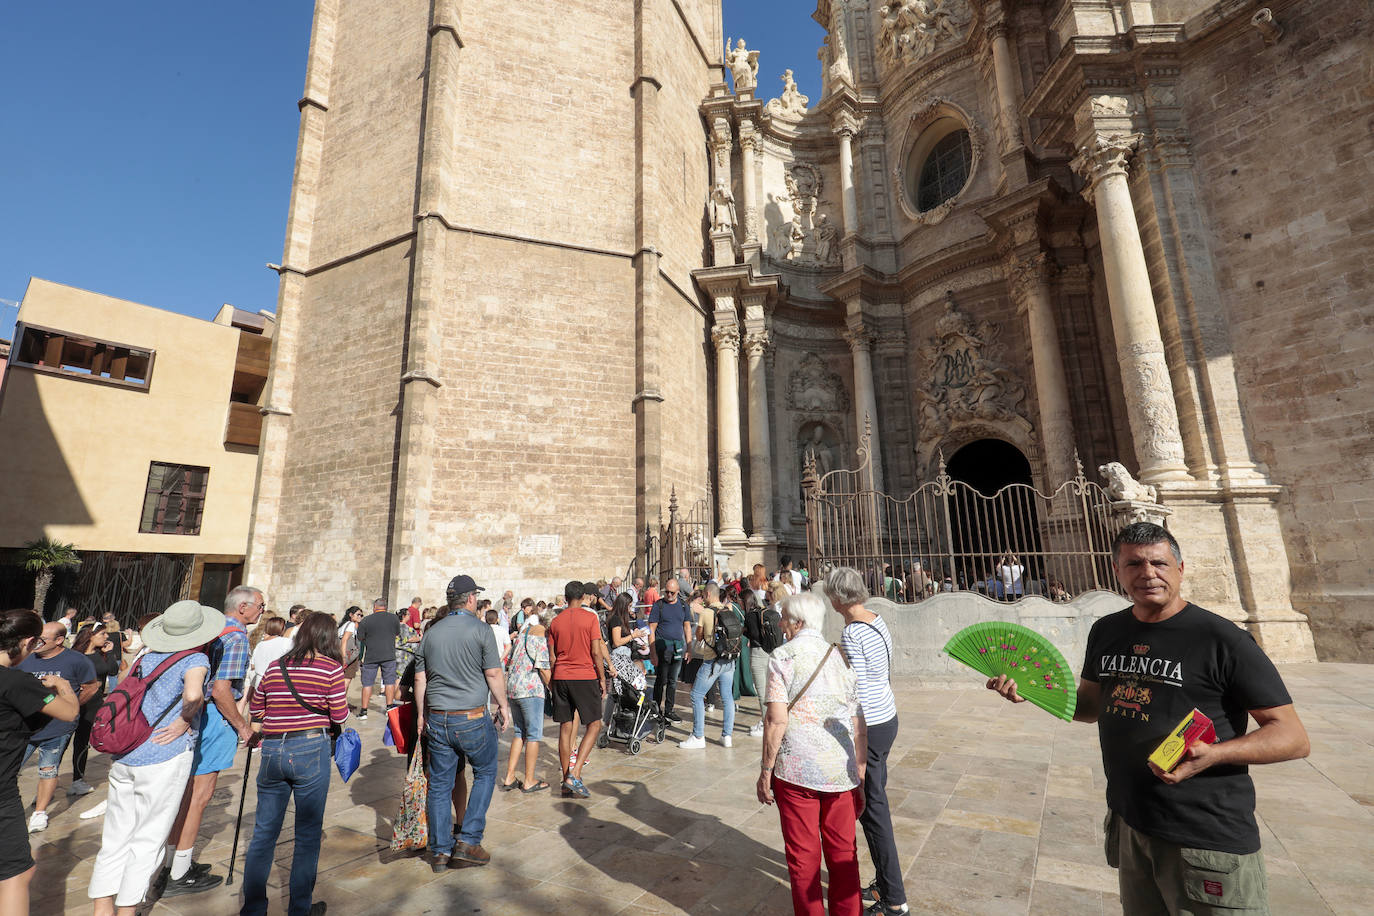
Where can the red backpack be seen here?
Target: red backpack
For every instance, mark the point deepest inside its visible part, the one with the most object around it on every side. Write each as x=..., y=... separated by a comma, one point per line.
x=120, y=725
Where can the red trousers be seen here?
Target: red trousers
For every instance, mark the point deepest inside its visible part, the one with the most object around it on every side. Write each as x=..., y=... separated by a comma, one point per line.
x=816, y=824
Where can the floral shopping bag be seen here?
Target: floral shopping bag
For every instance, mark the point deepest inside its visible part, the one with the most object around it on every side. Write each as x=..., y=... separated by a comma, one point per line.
x=412, y=824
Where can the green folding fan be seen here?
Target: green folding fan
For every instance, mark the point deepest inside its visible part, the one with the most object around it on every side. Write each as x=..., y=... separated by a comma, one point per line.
x=1038, y=668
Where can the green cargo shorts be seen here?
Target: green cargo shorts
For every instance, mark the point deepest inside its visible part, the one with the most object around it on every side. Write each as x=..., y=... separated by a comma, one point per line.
x=1156, y=876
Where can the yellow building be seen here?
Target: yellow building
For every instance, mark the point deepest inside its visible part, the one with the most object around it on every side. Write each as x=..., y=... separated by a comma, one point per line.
x=132, y=433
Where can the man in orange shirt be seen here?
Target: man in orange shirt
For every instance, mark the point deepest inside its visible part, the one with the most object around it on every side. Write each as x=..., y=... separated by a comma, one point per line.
x=579, y=684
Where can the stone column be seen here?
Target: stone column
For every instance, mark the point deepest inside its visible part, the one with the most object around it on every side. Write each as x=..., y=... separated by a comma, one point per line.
x=845, y=131
x=1140, y=349
x=1005, y=78
x=748, y=146
x=729, y=488
x=860, y=340
x=756, y=343
x=1030, y=287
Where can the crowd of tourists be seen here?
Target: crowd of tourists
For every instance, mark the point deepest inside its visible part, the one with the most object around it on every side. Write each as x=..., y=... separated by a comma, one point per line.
x=196, y=683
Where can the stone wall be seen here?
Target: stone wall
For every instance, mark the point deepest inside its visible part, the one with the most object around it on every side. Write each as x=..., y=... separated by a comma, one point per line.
x=1286, y=161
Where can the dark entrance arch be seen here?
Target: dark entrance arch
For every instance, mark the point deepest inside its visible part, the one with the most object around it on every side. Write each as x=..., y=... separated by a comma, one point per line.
x=990, y=514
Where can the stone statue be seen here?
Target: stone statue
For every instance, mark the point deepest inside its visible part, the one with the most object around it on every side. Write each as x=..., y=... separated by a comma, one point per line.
x=912, y=29
x=796, y=240
x=818, y=452
x=813, y=387
x=721, y=208
x=792, y=104
x=1121, y=486
x=744, y=66
x=826, y=237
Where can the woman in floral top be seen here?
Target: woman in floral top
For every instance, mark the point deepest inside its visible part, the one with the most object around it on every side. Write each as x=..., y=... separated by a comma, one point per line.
x=814, y=747
x=527, y=677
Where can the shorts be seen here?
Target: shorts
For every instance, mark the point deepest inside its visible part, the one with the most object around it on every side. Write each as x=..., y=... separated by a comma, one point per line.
x=527, y=718
x=580, y=697
x=369, y=672
x=50, y=751
x=1157, y=876
x=217, y=745
x=15, y=857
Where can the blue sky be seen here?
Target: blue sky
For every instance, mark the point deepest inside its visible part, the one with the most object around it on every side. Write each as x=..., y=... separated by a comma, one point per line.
x=148, y=147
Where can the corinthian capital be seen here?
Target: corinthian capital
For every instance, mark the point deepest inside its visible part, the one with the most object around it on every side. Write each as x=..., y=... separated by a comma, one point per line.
x=756, y=343
x=1105, y=155
x=749, y=136
x=1028, y=275
x=858, y=337
x=726, y=337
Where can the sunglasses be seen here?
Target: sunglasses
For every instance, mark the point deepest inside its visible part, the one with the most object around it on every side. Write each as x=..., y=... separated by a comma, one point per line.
x=38, y=643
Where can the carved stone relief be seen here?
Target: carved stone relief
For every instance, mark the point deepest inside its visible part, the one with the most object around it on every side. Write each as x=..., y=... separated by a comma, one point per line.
x=967, y=379
x=813, y=387
x=915, y=29
x=806, y=237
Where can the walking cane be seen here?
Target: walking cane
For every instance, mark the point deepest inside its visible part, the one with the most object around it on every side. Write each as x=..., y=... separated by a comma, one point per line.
x=238, y=824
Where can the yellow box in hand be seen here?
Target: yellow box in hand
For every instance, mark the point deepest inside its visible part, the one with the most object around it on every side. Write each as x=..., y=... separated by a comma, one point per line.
x=1194, y=727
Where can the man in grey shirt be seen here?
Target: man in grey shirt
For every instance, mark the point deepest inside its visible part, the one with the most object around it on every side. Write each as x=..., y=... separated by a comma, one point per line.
x=457, y=665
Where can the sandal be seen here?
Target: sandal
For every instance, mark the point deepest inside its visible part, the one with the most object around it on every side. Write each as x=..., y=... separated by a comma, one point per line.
x=507, y=786
x=539, y=786
x=574, y=788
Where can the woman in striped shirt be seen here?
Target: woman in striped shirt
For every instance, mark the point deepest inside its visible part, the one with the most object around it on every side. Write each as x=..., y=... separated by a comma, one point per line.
x=868, y=646
x=293, y=708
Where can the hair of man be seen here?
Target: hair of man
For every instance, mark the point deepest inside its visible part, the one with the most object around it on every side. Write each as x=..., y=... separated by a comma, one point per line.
x=240, y=595
x=1143, y=533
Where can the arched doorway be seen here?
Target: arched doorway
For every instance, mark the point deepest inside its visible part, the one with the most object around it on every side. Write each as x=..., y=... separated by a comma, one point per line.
x=992, y=517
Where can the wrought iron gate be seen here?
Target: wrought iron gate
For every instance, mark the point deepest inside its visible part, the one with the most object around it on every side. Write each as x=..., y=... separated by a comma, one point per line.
x=948, y=536
x=686, y=541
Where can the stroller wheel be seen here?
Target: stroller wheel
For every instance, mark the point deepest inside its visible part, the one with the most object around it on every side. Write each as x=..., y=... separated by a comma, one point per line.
x=660, y=733
x=635, y=746
x=603, y=739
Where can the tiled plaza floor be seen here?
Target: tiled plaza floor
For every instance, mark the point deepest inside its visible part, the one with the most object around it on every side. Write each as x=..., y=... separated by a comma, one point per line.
x=998, y=811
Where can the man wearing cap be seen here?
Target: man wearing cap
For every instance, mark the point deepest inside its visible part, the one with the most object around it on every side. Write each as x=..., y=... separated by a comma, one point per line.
x=146, y=782
x=457, y=666
x=222, y=729
x=579, y=684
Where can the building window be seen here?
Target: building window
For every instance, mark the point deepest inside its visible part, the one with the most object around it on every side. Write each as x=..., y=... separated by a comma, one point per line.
x=58, y=352
x=174, y=500
x=945, y=170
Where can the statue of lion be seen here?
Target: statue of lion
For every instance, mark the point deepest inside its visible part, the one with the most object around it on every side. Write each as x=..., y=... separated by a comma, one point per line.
x=1122, y=486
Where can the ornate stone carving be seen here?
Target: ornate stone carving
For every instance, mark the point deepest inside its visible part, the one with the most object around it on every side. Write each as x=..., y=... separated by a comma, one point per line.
x=1105, y=155
x=1028, y=274
x=744, y=66
x=914, y=29
x=817, y=449
x=932, y=111
x=858, y=338
x=1154, y=424
x=791, y=104
x=1111, y=106
x=813, y=387
x=720, y=144
x=726, y=337
x=721, y=208
x=756, y=343
x=967, y=379
x=804, y=238
x=1121, y=485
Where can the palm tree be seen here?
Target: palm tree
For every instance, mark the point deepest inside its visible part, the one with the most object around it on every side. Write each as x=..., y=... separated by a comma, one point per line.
x=43, y=557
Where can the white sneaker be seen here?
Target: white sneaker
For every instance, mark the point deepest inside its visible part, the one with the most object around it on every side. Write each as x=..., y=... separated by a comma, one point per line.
x=692, y=744
x=756, y=731
x=710, y=707
x=362, y=716
x=727, y=741
x=95, y=812
x=80, y=787
x=38, y=822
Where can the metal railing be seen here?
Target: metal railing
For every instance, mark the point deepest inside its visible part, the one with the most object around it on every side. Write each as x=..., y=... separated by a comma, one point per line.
x=685, y=542
x=948, y=536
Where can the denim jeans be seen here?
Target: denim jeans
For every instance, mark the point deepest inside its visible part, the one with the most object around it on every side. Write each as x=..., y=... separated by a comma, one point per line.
x=454, y=740
x=665, y=683
x=708, y=674
x=297, y=767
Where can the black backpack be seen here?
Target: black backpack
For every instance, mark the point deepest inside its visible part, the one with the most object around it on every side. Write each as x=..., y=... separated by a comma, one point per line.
x=770, y=629
x=728, y=638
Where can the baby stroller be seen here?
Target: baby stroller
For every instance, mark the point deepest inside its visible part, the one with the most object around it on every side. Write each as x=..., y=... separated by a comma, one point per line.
x=634, y=714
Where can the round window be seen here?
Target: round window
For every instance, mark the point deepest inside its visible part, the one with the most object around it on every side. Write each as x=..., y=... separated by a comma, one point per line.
x=940, y=164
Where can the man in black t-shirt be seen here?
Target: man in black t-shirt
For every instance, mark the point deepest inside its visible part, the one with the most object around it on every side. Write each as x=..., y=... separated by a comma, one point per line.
x=377, y=635
x=1185, y=840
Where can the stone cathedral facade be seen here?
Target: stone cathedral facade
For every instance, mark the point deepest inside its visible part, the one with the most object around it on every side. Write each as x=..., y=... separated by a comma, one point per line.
x=545, y=272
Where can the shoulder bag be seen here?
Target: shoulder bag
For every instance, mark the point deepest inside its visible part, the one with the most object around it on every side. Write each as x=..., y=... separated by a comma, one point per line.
x=345, y=745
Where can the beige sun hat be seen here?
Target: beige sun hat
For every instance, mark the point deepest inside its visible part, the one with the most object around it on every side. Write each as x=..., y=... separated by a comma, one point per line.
x=185, y=625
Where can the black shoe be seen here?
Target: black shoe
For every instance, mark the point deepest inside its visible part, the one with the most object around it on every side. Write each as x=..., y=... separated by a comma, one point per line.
x=672, y=716
x=191, y=884
x=318, y=907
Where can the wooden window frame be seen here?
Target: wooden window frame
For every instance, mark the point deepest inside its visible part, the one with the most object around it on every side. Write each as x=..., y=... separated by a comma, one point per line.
x=106, y=350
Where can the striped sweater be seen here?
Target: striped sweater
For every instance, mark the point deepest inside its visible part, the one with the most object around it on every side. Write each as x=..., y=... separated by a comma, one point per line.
x=320, y=683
